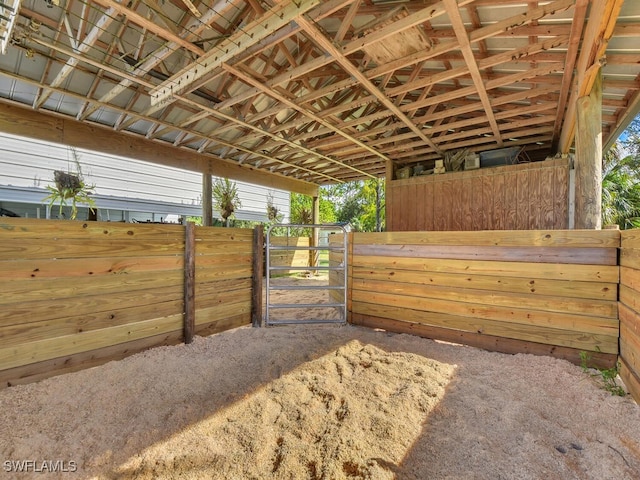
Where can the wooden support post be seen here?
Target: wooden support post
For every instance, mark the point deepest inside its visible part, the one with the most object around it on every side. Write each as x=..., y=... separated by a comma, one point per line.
x=315, y=254
x=387, y=195
x=207, y=200
x=189, y=282
x=258, y=275
x=588, y=163
x=348, y=262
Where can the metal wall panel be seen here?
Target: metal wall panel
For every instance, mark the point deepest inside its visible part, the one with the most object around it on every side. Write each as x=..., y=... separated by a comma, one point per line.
x=29, y=163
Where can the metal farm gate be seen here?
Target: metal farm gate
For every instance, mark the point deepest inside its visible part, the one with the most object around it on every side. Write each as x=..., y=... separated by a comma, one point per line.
x=336, y=282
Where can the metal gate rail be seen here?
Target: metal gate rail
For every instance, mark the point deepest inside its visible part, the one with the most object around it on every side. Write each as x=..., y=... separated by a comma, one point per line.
x=342, y=268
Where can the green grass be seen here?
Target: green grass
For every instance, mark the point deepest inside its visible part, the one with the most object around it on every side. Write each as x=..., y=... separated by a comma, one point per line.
x=607, y=375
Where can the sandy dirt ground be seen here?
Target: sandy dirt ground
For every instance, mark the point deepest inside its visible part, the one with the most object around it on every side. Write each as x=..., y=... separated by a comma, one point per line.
x=320, y=402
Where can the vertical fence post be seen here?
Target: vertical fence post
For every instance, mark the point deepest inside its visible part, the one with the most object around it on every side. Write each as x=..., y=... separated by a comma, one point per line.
x=258, y=273
x=348, y=259
x=189, y=282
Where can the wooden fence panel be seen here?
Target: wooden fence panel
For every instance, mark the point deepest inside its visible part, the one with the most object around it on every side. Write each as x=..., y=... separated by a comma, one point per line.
x=527, y=196
x=77, y=294
x=630, y=310
x=224, y=271
x=547, y=292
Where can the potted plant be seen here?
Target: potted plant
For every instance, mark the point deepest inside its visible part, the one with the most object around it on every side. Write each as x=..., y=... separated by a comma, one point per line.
x=225, y=198
x=70, y=188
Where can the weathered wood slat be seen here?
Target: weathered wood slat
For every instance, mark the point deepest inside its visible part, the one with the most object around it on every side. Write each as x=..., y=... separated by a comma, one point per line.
x=89, y=267
x=535, y=199
x=228, y=273
x=487, y=202
x=630, y=298
x=223, y=234
x=21, y=312
x=547, y=183
x=630, y=318
x=521, y=182
x=46, y=349
x=511, y=238
x=487, y=342
x=223, y=325
x=27, y=228
x=429, y=207
x=560, y=197
x=630, y=238
x=30, y=248
x=584, y=273
x=516, y=318
x=410, y=208
x=630, y=347
x=455, y=189
x=213, y=314
x=222, y=298
x=36, y=289
x=34, y=372
x=21, y=333
x=230, y=247
x=476, y=203
x=404, y=199
x=630, y=257
x=590, y=307
x=630, y=277
x=510, y=203
x=389, y=195
x=437, y=195
x=585, y=256
x=631, y=379
x=499, y=206
x=531, y=333
x=222, y=286
x=422, y=203
x=538, y=286
x=222, y=261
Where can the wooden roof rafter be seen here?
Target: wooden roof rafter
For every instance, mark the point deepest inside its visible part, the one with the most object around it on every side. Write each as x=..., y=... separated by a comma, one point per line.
x=317, y=94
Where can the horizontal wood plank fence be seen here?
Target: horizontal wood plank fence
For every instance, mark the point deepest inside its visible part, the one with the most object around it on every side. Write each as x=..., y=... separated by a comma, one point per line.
x=78, y=294
x=544, y=292
x=630, y=311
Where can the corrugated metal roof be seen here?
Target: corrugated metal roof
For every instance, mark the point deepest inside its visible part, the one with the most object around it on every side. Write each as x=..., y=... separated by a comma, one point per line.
x=294, y=88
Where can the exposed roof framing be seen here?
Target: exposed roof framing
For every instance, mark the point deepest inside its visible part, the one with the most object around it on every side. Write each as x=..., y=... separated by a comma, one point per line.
x=309, y=92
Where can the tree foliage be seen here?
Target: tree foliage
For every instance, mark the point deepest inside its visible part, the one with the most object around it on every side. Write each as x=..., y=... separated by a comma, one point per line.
x=360, y=203
x=621, y=188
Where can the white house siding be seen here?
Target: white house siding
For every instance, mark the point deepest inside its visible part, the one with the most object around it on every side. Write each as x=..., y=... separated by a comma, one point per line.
x=125, y=189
